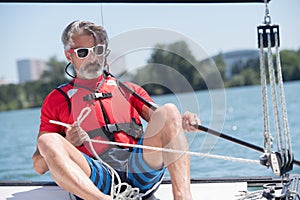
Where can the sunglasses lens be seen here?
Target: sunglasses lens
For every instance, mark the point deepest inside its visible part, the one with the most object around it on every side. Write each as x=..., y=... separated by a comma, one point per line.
x=81, y=53
x=84, y=52
x=99, y=50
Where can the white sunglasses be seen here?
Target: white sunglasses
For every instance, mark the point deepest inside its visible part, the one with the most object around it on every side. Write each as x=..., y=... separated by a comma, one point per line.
x=81, y=53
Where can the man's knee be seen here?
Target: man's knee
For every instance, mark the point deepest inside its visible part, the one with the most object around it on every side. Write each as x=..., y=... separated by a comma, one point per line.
x=173, y=117
x=48, y=142
x=166, y=120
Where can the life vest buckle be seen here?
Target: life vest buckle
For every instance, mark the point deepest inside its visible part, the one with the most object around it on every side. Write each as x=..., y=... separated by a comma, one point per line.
x=112, y=128
x=97, y=95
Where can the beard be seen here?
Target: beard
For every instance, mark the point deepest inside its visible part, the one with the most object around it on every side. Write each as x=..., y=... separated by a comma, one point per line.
x=90, y=70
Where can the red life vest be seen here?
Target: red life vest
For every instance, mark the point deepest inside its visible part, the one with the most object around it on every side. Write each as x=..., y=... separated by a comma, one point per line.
x=114, y=113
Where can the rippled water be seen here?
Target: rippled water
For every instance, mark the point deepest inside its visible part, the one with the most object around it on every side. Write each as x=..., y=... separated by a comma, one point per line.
x=236, y=112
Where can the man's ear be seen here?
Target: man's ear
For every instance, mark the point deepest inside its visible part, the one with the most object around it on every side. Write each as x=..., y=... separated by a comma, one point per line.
x=68, y=55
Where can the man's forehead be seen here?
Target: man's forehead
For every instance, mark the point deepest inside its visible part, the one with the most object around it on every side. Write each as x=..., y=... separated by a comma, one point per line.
x=83, y=40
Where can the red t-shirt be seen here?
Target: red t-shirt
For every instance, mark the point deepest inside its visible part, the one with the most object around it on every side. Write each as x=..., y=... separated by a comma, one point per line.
x=119, y=108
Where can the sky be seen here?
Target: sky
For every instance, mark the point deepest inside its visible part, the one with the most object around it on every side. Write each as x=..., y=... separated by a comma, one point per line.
x=33, y=31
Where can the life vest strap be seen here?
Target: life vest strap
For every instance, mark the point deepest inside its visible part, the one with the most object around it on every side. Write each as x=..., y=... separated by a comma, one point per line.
x=132, y=129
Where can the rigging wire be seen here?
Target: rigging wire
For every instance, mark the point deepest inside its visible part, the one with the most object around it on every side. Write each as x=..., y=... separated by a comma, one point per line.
x=102, y=19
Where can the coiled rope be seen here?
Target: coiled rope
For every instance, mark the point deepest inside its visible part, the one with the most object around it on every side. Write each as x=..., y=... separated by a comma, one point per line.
x=128, y=193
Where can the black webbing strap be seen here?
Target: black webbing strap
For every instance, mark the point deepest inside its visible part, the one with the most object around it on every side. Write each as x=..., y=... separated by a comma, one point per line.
x=66, y=97
x=132, y=129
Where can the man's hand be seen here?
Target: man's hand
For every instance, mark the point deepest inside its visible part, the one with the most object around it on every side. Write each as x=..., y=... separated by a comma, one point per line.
x=76, y=135
x=189, y=120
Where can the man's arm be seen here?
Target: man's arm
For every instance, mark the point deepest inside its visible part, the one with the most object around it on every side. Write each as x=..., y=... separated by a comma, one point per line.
x=39, y=164
x=147, y=112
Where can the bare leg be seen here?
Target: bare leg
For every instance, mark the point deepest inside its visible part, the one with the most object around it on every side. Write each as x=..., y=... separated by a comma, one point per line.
x=165, y=130
x=68, y=167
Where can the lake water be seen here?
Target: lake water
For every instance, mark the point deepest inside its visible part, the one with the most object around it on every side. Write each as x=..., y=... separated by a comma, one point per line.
x=236, y=112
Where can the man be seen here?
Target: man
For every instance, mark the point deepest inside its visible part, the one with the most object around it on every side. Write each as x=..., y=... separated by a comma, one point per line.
x=115, y=116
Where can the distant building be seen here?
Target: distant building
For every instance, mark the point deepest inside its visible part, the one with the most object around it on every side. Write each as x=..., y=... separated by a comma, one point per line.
x=4, y=81
x=237, y=59
x=30, y=69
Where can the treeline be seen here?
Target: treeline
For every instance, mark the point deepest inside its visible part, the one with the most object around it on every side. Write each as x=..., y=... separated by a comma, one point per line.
x=249, y=73
x=32, y=94
x=171, y=68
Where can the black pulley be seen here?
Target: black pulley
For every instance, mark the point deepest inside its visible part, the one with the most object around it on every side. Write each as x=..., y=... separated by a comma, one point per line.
x=264, y=30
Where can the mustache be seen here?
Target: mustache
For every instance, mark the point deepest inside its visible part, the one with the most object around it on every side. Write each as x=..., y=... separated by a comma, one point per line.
x=92, y=64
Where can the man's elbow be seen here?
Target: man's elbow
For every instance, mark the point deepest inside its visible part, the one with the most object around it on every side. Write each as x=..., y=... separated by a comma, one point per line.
x=39, y=165
x=39, y=170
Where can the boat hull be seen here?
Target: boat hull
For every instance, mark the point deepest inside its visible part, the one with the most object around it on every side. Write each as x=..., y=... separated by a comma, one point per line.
x=209, y=189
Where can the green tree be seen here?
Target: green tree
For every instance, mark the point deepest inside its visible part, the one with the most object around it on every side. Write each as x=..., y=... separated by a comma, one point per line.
x=290, y=62
x=246, y=74
x=221, y=65
x=170, y=68
x=32, y=94
x=56, y=73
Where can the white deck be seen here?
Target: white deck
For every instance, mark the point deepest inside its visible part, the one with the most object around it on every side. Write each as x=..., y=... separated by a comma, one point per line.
x=207, y=191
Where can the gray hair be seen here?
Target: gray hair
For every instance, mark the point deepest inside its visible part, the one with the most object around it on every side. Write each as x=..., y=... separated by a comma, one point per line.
x=83, y=28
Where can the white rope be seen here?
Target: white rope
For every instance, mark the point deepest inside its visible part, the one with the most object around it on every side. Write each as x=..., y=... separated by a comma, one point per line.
x=179, y=151
x=128, y=193
x=283, y=139
x=60, y=123
x=286, y=131
x=246, y=195
x=85, y=112
x=274, y=95
x=267, y=137
x=165, y=149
